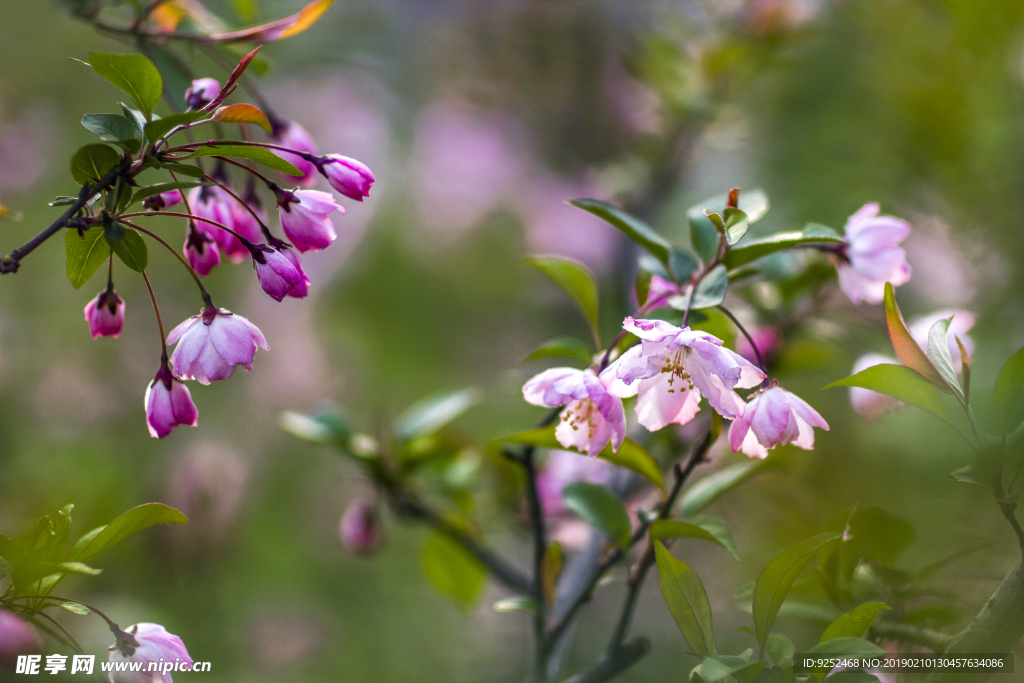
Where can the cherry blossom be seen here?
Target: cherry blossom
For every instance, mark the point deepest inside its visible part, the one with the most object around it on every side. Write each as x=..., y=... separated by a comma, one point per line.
x=592, y=417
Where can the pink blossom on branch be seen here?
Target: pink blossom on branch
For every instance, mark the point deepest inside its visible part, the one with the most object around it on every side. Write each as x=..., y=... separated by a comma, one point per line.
x=164, y=200
x=293, y=136
x=212, y=344
x=201, y=93
x=359, y=528
x=201, y=250
x=168, y=405
x=349, y=177
x=870, y=257
x=305, y=218
x=214, y=204
x=105, y=315
x=152, y=644
x=278, y=273
x=774, y=417
x=592, y=417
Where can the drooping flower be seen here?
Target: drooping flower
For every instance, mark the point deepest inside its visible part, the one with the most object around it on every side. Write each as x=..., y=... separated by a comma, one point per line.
x=870, y=257
x=348, y=176
x=305, y=217
x=105, y=314
x=672, y=367
x=212, y=344
x=201, y=250
x=293, y=136
x=278, y=274
x=774, y=417
x=201, y=93
x=301, y=289
x=871, y=405
x=961, y=323
x=168, y=404
x=148, y=643
x=246, y=222
x=359, y=528
x=17, y=638
x=164, y=200
x=214, y=204
x=592, y=417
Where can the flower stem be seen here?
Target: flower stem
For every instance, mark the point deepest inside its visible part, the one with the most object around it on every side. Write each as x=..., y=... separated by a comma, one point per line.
x=159, y=320
x=750, y=340
x=191, y=217
x=171, y=249
x=263, y=228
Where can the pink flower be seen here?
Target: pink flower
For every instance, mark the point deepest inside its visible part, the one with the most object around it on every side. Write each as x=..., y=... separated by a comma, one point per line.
x=349, y=177
x=293, y=136
x=305, y=217
x=163, y=200
x=201, y=93
x=17, y=637
x=278, y=274
x=301, y=288
x=201, y=250
x=359, y=528
x=592, y=415
x=766, y=338
x=105, y=314
x=871, y=405
x=212, y=343
x=870, y=257
x=774, y=417
x=961, y=323
x=672, y=367
x=214, y=204
x=152, y=643
x=243, y=221
x=168, y=405
x=659, y=292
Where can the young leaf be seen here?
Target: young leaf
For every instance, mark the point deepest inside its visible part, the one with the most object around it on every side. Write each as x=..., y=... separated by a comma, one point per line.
x=242, y=113
x=854, y=623
x=710, y=291
x=632, y=227
x=899, y=382
x=132, y=250
x=85, y=254
x=811, y=234
x=92, y=162
x=128, y=524
x=711, y=488
x=326, y=428
x=573, y=279
x=158, y=128
x=706, y=529
x=257, y=154
x=563, y=348
x=687, y=600
x=683, y=264
x=907, y=350
x=279, y=29
x=430, y=414
x=1008, y=388
x=781, y=649
x=452, y=570
x=113, y=128
x=730, y=669
x=602, y=509
x=777, y=577
x=183, y=169
x=134, y=74
x=938, y=353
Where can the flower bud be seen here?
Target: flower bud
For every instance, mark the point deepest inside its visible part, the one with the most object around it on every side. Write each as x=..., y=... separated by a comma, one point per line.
x=301, y=289
x=305, y=218
x=359, y=528
x=148, y=643
x=201, y=250
x=17, y=637
x=349, y=177
x=161, y=201
x=105, y=314
x=201, y=93
x=277, y=273
x=293, y=136
x=168, y=405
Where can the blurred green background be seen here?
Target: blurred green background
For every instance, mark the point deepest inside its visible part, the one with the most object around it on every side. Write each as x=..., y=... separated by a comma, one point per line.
x=479, y=119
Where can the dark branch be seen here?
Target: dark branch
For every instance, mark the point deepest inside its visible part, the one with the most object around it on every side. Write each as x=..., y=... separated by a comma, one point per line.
x=612, y=665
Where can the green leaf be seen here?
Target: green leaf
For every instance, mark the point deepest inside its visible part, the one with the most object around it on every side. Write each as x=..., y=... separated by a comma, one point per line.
x=152, y=190
x=132, y=250
x=687, y=600
x=1008, y=388
x=602, y=509
x=137, y=118
x=176, y=78
x=631, y=226
x=812, y=234
x=573, y=279
x=684, y=264
x=899, y=382
x=854, y=623
x=938, y=354
x=326, y=428
x=710, y=291
x=92, y=162
x=707, y=529
x=562, y=348
x=736, y=225
x=242, y=113
x=76, y=608
x=128, y=524
x=183, y=169
x=907, y=350
x=158, y=128
x=777, y=577
x=452, y=570
x=134, y=74
x=85, y=254
x=257, y=154
x=714, y=486
x=781, y=649
x=29, y=573
x=884, y=536
x=430, y=414
x=113, y=128
x=846, y=646
x=976, y=474
x=727, y=669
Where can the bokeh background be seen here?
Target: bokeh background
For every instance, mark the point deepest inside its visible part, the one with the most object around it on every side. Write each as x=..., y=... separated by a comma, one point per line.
x=479, y=119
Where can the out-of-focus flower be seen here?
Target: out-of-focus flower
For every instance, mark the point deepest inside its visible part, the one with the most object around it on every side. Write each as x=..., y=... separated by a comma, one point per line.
x=306, y=219
x=961, y=323
x=773, y=16
x=673, y=367
x=152, y=644
x=774, y=417
x=563, y=468
x=164, y=200
x=359, y=528
x=278, y=274
x=592, y=416
x=17, y=637
x=348, y=176
x=212, y=344
x=659, y=292
x=168, y=405
x=207, y=484
x=213, y=203
x=244, y=219
x=871, y=257
x=201, y=250
x=766, y=338
x=871, y=405
x=201, y=93
x=105, y=314
x=293, y=136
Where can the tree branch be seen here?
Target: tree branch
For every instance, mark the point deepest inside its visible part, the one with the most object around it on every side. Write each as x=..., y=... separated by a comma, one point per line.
x=914, y=635
x=611, y=665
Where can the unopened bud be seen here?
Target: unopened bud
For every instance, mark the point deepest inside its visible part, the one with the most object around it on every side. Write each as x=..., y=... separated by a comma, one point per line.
x=360, y=527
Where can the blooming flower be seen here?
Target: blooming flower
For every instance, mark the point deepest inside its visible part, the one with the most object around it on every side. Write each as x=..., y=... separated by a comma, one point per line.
x=168, y=405
x=214, y=204
x=105, y=314
x=212, y=343
x=774, y=417
x=152, y=644
x=201, y=250
x=961, y=323
x=349, y=177
x=592, y=416
x=870, y=257
x=673, y=367
x=293, y=136
x=305, y=217
x=163, y=200
x=278, y=274
x=871, y=405
x=17, y=637
x=201, y=93
x=359, y=528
